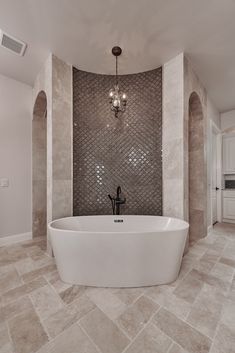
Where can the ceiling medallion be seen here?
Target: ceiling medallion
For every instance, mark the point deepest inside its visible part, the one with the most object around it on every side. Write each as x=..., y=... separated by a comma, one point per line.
x=117, y=98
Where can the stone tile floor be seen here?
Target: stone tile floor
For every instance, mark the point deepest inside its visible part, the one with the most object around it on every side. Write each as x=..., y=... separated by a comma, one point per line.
x=195, y=314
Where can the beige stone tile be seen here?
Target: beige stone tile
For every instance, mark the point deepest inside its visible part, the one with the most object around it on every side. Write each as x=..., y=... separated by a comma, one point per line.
x=159, y=293
x=108, y=302
x=224, y=341
x=188, y=289
x=46, y=301
x=6, y=268
x=9, y=280
x=73, y=340
x=103, y=332
x=5, y=342
x=167, y=299
x=27, y=277
x=42, y=261
x=16, y=252
x=203, y=265
x=62, y=198
x=55, y=281
x=22, y=290
x=137, y=315
x=27, y=332
x=206, y=311
x=72, y=293
x=228, y=314
x=174, y=166
x=206, y=262
x=198, y=249
x=17, y=307
x=25, y=265
x=35, y=252
x=176, y=349
x=211, y=256
x=223, y=272
x=229, y=251
x=150, y=340
x=3, y=324
x=188, y=338
x=226, y=261
x=219, y=244
x=68, y=315
x=45, y=348
x=231, y=293
x=210, y=279
x=128, y=295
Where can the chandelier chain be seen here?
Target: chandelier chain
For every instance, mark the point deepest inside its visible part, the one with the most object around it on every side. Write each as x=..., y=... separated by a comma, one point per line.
x=116, y=71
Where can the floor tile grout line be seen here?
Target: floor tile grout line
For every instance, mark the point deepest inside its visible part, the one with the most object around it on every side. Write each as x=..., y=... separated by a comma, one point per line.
x=172, y=339
x=192, y=327
x=141, y=330
x=64, y=307
x=171, y=345
x=57, y=294
x=97, y=307
x=135, y=300
x=90, y=339
x=52, y=339
x=9, y=334
x=122, y=330
x=39, y=318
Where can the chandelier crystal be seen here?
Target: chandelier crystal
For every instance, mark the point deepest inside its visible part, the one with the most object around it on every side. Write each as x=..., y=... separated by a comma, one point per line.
x=117, y=98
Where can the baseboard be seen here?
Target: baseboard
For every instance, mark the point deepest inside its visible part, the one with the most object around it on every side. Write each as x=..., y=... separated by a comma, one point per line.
x=226, y=220
x=10, y=239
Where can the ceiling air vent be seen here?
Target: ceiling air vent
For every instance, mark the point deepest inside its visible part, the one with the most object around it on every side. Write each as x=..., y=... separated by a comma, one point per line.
x=13, y=44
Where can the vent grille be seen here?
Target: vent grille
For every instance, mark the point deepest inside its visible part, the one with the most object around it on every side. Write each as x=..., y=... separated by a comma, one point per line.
x=14, y=45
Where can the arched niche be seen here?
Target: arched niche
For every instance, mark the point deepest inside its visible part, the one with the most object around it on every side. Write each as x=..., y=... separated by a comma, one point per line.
x=197, y=170
x=39, y=166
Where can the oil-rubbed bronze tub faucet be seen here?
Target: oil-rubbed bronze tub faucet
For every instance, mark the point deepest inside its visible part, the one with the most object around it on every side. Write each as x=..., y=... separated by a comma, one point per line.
x=117, y=201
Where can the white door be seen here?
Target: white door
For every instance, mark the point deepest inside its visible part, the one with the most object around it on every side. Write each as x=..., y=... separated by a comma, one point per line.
x=214, y=178
x=229, y=154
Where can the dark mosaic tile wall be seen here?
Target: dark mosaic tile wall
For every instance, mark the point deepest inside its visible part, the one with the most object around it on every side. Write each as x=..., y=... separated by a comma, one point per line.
x=108, y=152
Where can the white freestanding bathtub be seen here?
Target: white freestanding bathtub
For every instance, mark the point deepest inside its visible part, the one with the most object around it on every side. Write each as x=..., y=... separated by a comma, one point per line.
x=118, y=251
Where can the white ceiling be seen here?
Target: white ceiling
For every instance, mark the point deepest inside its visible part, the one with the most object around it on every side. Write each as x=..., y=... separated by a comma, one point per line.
x=82, y=32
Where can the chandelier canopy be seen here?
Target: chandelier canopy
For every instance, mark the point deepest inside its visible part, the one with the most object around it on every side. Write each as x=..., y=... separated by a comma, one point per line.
x=117, y=98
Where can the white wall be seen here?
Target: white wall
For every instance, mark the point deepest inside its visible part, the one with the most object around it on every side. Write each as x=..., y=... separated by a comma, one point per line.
x=228, y=120
x=15, y=156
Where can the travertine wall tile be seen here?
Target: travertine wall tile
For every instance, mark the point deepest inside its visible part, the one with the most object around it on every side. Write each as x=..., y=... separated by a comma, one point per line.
x=55, y=79
x=172, y=138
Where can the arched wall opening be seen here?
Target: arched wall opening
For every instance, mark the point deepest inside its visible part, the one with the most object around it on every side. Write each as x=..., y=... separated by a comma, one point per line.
x=39, y=166
x=197, y=170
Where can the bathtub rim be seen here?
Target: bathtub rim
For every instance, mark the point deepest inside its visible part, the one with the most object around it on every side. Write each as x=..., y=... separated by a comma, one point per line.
x=185, y=225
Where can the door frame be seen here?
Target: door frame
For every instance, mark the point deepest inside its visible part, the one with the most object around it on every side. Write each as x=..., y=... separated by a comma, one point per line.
x=217, y=131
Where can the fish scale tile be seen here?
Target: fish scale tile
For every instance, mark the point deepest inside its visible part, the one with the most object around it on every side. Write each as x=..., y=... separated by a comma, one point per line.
x=133, y=142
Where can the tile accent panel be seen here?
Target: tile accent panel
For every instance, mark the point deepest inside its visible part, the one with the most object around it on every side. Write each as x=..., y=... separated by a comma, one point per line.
x=108, y=152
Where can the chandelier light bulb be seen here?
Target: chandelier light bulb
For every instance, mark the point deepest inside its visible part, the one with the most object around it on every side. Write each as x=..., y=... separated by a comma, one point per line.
x=111, y=93
x=124, y=96
x=116, y=103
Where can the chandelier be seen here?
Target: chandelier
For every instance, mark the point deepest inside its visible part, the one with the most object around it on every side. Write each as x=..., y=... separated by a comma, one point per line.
x=117, y=98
